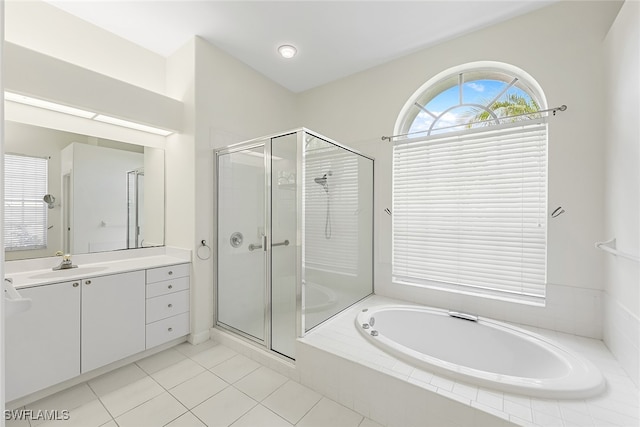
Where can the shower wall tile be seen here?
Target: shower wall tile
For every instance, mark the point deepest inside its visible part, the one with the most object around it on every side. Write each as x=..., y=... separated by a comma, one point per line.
x=622, y=336
x=569, y=309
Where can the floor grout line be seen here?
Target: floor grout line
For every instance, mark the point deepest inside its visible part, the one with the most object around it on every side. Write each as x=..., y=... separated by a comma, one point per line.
x=255, y=402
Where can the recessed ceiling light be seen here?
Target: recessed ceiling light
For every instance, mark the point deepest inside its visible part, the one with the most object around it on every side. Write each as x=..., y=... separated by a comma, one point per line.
x=287, y=51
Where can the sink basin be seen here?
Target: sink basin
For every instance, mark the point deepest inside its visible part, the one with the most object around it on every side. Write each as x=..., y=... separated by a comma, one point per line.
x=80, y=271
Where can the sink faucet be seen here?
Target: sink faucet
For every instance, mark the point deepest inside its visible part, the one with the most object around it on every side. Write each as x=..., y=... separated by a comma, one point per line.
x=65, y=263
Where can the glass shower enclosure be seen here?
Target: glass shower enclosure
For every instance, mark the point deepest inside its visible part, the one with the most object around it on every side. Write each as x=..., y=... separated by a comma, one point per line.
x=294, y=233
x=135, y=208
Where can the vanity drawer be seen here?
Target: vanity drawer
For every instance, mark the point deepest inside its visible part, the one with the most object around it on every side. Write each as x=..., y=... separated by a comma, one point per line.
x=167, y=287
x=167, y=305
x=167, y=329
x=167, y=273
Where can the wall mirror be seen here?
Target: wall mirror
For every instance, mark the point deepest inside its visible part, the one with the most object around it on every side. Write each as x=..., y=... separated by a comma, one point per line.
x=79, y=194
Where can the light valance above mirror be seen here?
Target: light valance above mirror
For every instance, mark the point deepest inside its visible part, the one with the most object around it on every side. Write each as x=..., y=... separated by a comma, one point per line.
x=114, y=103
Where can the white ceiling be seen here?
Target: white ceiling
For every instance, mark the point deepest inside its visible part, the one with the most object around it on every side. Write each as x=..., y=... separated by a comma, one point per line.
x=334, y=38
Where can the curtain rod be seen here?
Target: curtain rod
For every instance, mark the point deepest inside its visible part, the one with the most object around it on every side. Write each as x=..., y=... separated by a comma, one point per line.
x=552, y=110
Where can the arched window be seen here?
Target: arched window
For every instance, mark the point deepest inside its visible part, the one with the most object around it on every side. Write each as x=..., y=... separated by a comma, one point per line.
x=469, y=184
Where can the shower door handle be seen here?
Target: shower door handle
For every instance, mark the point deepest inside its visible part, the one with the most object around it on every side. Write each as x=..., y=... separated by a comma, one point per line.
x=253, y=247
x=262, y=246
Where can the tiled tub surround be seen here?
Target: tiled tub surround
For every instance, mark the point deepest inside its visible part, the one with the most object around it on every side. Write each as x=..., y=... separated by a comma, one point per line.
x=338, y=362
x=622, y=335
x=480, y=351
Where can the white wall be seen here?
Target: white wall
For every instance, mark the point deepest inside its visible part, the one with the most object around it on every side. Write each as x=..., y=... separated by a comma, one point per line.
x=44, y=28
x=234, y=103
x=154, y=189
x=564, y=55
x=622, y=187
x=225, y=102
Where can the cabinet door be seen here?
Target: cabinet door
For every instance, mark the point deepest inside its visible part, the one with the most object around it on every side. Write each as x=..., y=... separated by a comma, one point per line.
x=42, y=345
x=113, y=318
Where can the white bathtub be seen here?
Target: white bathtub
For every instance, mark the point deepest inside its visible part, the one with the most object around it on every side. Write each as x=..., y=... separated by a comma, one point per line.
x=484, y=352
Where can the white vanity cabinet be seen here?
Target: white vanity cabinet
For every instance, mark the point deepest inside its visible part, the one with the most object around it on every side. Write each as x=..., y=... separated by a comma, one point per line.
x=113, y=318
x=167, y=305
x=77, y=326
x=42, y=345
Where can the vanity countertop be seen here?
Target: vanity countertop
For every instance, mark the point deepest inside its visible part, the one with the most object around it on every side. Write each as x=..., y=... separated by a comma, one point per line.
x=46, y=276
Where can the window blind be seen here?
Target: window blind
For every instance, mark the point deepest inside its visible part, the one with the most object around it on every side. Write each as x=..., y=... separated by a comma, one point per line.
x=332, y=244
x=25, y=214
x=469, y=210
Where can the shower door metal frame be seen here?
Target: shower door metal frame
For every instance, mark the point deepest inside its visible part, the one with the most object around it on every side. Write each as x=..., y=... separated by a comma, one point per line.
x=265, y=144
x=301, y=173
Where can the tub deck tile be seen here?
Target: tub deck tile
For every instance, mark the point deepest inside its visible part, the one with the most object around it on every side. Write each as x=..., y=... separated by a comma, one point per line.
x=617, y=406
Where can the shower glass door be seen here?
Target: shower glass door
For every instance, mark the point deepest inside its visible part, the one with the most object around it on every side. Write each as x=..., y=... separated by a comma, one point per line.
x=257, y=235
x=283, y=247
x=241, y=266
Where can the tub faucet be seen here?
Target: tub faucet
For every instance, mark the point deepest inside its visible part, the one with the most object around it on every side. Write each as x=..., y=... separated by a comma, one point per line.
x=65, y=263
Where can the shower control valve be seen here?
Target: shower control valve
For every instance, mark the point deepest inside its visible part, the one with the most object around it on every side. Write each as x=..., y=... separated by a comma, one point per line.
x=236, y=239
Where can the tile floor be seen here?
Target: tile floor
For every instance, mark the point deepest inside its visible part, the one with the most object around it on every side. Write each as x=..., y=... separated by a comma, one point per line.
x=188, y=386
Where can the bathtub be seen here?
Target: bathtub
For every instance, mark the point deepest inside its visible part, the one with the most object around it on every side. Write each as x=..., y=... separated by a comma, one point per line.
x=318, y=297
x=481, y=351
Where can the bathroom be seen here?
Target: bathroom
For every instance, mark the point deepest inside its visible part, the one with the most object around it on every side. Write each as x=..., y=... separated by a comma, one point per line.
x=577, y=62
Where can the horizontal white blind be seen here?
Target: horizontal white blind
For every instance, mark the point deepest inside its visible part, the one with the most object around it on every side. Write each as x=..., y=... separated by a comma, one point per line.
x=25, y=213
x=469, y=210
x=331, y=235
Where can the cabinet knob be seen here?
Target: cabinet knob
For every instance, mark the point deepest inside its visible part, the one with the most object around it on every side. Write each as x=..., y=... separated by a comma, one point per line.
x=75, y=284
x=170, y=305
x=170, y=286
x=170, y=273
x=170, y=329
x=87, y=282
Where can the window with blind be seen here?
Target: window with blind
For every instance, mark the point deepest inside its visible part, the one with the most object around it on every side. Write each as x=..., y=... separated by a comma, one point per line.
x=25, y=213
x=469, y=189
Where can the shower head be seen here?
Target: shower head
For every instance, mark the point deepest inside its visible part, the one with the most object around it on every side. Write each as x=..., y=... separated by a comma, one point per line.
x=323, y=181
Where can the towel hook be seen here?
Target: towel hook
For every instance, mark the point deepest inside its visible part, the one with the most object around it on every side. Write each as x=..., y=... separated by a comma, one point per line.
x=557, y=212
